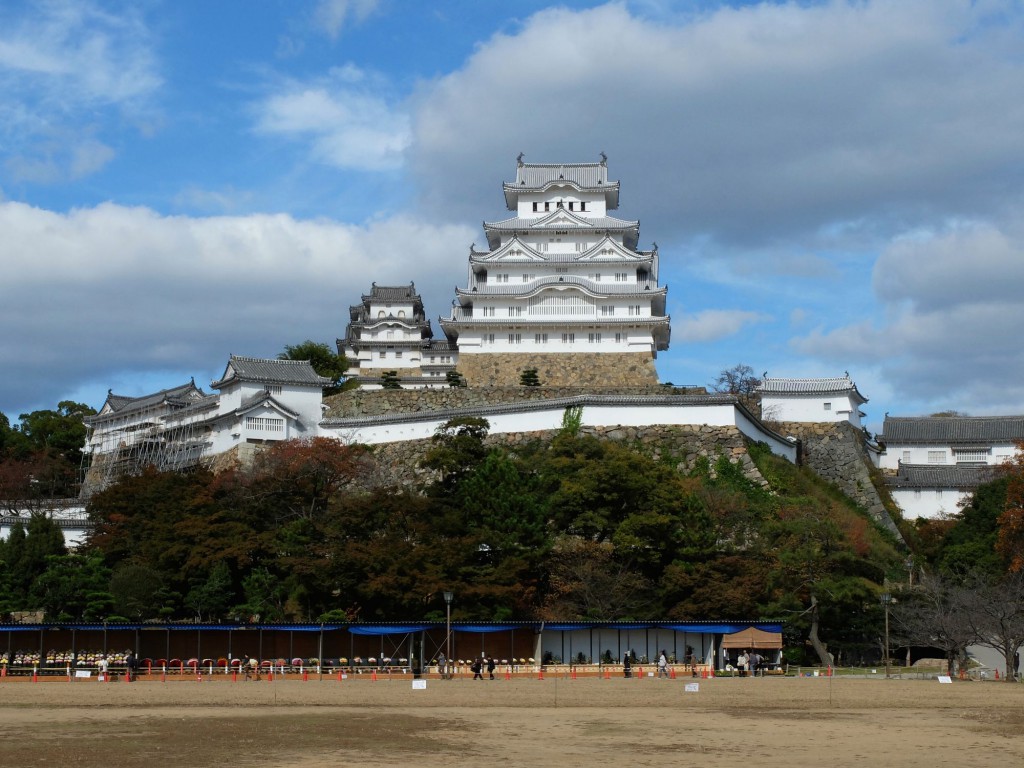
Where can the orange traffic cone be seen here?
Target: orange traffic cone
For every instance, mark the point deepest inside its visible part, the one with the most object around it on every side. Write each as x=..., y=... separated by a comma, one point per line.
x=373, y=675
x=997, y=674
x=572, y=674
x=607, y=673
x=672, y=673
x=508, y=672
x=540, y=673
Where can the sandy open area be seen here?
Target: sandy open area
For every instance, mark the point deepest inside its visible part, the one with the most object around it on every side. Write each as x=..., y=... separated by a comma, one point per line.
x=793, y=722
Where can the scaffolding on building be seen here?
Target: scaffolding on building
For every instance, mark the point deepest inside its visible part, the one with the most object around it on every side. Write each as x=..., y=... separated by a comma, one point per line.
x=179, y=447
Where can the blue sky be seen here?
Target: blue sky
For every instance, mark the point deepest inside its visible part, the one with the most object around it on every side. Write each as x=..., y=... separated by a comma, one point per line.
x=833, y=186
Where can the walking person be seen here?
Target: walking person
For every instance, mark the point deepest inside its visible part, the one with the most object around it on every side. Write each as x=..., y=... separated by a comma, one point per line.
x=441, y=668
x=663, y=664
x=626, y=670
x=741, y=663
x=476, y=667
x=490, y=666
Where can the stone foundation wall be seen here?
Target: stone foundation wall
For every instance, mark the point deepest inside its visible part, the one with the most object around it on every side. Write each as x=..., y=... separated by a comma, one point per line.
x=581, y=369
x=835, y=451
x=375, y=402
x=397, y=464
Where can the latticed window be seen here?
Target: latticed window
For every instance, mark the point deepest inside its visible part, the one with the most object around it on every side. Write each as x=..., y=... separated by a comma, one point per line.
x=264, y=424
x=936, y=457
x=970, y=455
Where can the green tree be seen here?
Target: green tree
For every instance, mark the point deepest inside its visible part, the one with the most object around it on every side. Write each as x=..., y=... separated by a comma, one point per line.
x=325, y=361
x=210, y=598
x=390, y=380
x=73, y=588
x=529, y=378
x=457, y=447
x=138, y=591
x=60, y=432
x=455, y=379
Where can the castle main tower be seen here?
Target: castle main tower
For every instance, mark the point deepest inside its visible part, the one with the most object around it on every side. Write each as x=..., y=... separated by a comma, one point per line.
x=561, y=288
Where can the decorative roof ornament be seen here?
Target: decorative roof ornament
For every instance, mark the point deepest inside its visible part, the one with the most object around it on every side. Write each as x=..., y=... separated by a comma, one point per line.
x=604, y=158
x=519, y=160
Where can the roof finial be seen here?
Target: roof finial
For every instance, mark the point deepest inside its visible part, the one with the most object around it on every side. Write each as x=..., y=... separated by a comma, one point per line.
x=519, y=160
x=604, y=158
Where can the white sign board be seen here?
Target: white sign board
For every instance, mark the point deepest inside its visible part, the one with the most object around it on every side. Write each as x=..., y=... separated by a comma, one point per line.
x=692, y=687
x=83, y=673
x=419, y=685
x=945, y=679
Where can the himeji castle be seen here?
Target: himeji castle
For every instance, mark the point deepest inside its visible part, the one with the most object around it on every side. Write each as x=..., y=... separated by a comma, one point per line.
x=561, y=287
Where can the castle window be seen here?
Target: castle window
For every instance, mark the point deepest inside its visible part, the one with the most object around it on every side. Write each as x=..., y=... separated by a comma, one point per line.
x=547, y=206
x=618, y=338
x=515, y=338
x=828, y=406
x=540, y=338
x=594, y=338
x=583, y=206
x=515, y=311
x=970, y=455
x=936, y=457
x=272, y=389
x=535, y=207
x=607, y=311
x=561, y=270
x=488, y=338
x=559, y=204
x=906, y=457
x=568, y=338
x=264, y=424
x=621, y=277
x=917, y=493
x=398, y=353
x=634, y=309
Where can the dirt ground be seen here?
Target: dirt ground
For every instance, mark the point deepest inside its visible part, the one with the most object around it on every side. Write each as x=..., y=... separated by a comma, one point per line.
x=792, y=722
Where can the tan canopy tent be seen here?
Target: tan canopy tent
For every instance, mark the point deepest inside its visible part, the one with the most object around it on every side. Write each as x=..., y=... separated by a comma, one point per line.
x=752, y=638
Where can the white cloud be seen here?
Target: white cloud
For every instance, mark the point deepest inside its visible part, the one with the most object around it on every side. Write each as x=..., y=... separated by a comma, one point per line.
x=332, y=16
x=347, y=123
x=714, y=324
x=752, y=123
x=949, y=333
x=61, y=64
x=113, y=288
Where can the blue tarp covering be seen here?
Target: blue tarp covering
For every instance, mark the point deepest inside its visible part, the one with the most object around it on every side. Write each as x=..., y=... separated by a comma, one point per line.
x=484, y=627
x=388, y=629
x=723, y=629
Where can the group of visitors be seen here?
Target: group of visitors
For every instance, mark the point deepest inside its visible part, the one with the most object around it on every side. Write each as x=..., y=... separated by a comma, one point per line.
x=478, y=666
x=750, y=662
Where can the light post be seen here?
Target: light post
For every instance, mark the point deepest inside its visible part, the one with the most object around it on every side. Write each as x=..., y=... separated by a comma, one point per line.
x=448, y=632
x=910, y=571
x=886, y=600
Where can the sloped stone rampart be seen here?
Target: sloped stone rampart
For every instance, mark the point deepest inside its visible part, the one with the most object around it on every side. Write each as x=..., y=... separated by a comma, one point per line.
x=376, y=402
x=835, y=451
x=397, y=464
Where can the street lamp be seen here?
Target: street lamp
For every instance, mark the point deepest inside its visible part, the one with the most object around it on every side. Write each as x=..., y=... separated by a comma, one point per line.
x=886, y=601
x=448, y=631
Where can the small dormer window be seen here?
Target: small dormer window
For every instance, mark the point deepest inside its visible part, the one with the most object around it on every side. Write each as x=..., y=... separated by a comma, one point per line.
x=828, y=406
x=272, y=389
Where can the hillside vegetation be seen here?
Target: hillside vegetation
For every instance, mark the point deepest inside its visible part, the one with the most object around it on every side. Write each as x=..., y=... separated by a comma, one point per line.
x=570, y=528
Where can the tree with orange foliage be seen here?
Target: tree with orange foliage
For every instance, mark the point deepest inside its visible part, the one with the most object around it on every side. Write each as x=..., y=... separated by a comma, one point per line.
x=1010, y=541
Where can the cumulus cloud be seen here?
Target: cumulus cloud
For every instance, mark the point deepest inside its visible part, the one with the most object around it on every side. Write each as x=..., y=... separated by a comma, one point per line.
x=949, y=332
x=343, y=116
x=750, y=123
x=116, y=288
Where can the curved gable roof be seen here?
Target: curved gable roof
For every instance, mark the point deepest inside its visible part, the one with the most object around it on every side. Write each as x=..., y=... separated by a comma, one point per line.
x=270, y=371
